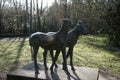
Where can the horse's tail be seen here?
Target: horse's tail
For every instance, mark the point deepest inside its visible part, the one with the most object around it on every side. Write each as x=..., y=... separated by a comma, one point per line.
x=31, y=52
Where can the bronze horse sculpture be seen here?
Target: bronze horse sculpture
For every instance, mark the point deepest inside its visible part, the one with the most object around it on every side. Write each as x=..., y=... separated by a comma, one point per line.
x=50, y=42
x=72, y=38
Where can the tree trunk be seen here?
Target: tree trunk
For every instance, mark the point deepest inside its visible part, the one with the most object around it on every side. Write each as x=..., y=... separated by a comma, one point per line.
x=25, y=18
x=38, y=17
x=65, y=9
x=31, y=17
x=2, y=3
x=0, y=23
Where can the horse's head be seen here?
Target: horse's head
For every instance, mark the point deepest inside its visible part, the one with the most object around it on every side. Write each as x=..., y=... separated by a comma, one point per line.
x=67, y=23
x=81, y=27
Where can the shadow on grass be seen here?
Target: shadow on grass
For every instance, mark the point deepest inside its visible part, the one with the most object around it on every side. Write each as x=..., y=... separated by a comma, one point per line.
x=4, y=54
x=16, y=62
x=103, y=46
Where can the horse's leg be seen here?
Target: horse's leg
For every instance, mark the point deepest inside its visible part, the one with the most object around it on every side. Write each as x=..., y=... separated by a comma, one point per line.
x=54, y=60
x=45, y=56
x=31, y=53
x=64, y=61
x=35, y=59
x=51, y=53
x=71, y=57
x=68, y=53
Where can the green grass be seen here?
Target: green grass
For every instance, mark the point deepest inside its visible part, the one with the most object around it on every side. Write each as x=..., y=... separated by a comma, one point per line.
x=90, y=51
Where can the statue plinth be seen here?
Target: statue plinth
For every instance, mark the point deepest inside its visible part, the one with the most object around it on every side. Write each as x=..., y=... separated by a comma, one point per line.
x=27, y=73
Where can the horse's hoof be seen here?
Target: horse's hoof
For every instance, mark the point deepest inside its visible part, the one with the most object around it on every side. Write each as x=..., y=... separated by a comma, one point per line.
x=37, y=67
x=64, y=68
x=67, y=72
x=56, y=66
x=46, y=68
x=73, y=68
x=52, y=72
x=37, y=72
x=51, y=69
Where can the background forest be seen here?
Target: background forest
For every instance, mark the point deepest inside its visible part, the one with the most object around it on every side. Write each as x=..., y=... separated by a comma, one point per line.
x=18, y=17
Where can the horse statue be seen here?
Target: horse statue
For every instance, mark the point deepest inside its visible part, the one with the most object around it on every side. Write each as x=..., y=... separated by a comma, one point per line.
x=71, y=41
x=50, y=41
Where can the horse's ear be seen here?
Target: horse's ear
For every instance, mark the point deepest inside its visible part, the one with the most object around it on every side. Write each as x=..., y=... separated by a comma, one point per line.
x=65, y=20
x=80, y=21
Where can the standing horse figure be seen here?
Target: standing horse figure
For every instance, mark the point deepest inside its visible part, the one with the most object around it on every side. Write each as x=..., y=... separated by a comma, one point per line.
x=50, y=42
x=72, y=38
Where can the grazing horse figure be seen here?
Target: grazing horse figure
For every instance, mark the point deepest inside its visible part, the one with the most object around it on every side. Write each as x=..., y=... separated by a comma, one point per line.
x=50, y=41
x=72, y=38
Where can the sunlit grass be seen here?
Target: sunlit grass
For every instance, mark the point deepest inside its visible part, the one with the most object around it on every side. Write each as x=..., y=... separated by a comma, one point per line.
x=95, y=52
x=90, y=51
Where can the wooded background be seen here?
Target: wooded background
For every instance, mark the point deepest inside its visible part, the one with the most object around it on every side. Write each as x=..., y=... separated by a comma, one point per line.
x=23, y=17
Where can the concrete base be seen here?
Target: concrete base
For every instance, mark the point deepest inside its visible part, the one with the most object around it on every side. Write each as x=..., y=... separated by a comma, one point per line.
x=27, y=73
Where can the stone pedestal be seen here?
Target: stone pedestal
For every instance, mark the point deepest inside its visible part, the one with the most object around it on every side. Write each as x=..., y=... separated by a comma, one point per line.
x=27, y=73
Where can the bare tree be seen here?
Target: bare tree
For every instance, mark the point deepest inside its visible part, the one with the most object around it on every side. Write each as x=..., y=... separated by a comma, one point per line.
x=25, y=18
x=30, y=16
x=65, y=9
x=41, y=7
x=34, y=17
x=2, y=3
x=38, y=17
x=15, y=5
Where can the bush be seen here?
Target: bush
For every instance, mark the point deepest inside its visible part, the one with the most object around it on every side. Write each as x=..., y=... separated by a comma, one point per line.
x=113, y=20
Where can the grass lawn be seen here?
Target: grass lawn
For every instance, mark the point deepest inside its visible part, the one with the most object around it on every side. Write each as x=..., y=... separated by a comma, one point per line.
x=90, y=51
